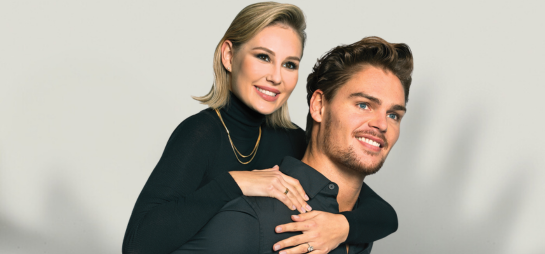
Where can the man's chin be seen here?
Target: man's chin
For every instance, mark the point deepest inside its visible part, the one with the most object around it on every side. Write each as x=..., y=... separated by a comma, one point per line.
x=368, y=169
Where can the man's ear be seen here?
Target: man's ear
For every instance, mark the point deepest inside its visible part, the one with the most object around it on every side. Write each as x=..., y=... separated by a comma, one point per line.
x=316, y=106
x=227, y=54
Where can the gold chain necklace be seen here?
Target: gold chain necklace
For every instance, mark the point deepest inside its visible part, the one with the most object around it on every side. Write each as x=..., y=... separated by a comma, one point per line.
x=235, y=150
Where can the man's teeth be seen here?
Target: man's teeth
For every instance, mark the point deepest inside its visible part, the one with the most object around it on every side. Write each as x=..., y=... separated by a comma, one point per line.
x=269, y=93
x=368, y=141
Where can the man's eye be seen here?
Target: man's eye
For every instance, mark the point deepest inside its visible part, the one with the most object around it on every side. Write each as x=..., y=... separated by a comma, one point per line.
x=264, y=57
x=363, y=105
x=290, y=65
x=393, y=116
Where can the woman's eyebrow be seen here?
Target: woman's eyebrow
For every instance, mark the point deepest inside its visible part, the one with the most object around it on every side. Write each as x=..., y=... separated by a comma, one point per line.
x=265, y=49
x=272, y=53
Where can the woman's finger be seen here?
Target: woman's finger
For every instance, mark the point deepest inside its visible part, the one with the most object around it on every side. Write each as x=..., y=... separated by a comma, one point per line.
x=290, y=242
x=303, y=248
x=294, y=182
x=305, y=216
x=294, y=200
x=299, y=224
x=295, y=193
x=276, y=193
x=288, y=191
x=295, y=227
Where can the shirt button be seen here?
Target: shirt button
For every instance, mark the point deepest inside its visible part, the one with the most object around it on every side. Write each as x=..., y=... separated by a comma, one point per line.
x=331, y=186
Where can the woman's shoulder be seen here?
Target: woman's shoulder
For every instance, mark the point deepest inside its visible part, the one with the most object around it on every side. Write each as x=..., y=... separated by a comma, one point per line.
x=296, y=137
x=203, y=119
x=292, y=133
x=202, y=125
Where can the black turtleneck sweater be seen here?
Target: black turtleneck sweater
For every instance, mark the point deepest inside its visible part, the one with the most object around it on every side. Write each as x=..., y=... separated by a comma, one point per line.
x=191, y=183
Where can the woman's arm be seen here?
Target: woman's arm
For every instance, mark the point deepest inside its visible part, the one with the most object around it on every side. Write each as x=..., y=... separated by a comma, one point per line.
x=374, y=219
x=172, y=207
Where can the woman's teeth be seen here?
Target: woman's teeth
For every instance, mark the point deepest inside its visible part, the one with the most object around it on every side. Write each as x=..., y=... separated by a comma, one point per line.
x=269, y=93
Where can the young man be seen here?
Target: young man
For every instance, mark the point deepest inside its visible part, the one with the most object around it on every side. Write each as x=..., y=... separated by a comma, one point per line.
x=357, y=96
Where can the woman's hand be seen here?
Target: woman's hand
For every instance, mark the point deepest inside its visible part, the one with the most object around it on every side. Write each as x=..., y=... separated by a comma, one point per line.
x=322, y=230
x=273, y=183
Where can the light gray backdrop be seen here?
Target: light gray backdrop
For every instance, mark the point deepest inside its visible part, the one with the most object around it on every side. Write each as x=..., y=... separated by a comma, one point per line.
x=91, y=90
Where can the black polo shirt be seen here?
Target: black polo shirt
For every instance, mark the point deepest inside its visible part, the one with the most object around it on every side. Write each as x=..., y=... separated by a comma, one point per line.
x=246, y=224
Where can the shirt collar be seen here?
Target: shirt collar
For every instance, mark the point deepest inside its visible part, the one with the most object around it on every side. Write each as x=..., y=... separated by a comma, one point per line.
x=311, y=180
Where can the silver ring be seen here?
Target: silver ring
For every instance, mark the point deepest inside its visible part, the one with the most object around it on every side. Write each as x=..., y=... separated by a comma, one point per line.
x=310, y=249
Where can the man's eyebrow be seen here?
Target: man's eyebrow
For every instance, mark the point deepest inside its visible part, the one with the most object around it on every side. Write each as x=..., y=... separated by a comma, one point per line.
x=272, y=53
x=369, y=97
x=399, y=108
x=396, y=107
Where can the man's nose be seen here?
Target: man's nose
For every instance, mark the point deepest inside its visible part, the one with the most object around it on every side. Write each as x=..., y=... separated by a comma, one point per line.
x=379, y=122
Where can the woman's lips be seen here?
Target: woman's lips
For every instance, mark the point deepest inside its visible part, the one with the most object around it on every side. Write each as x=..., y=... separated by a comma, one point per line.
x=268, y=94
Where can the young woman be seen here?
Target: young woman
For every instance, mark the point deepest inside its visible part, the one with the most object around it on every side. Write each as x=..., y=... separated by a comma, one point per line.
x=210, y=158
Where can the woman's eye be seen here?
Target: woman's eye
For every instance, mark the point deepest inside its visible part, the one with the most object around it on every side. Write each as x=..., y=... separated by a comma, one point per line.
x=264, y=57
x=290, y=65
x=393, y=116
x=363, y=105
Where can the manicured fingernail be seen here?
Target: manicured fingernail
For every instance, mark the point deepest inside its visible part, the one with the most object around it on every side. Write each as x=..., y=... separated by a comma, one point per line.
x=293, y=207
x=303, y=210
x=278, y=230
x=276, y=247
x=296, y=216
x=309, y=208
x=306, y=197
x=282, y=252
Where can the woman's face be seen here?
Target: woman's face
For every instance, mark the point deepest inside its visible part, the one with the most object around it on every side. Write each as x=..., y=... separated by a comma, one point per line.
x=265, y=69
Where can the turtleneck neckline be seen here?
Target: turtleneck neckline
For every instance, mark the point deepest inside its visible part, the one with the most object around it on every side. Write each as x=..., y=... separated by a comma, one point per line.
x=242, y=121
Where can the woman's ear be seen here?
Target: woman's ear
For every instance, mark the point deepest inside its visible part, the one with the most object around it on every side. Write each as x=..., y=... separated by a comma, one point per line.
x=227, y=54
x=317, y=105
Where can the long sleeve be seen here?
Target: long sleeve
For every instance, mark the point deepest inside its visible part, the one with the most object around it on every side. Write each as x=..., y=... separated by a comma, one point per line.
x=372, y=220
x=235, y=230
x=179, y=198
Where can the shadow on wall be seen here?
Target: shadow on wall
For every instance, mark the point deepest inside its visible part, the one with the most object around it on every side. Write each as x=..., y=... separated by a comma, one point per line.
x=431, y=212
x=66, y=228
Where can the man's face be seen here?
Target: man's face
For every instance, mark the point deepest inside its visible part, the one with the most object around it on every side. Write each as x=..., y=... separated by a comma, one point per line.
x=361, y=122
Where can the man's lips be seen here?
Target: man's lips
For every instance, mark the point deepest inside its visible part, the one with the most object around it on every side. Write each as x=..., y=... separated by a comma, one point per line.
x=372, y=140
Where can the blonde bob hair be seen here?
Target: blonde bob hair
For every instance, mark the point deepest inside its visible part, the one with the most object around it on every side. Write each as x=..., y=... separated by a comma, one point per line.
x=250, y=21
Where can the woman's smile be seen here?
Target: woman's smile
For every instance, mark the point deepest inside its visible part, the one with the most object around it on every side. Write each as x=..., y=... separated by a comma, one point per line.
x=267, y=93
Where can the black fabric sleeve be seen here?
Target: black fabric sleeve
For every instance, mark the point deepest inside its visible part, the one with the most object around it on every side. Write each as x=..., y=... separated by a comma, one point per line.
x=172, y=207
x=374, y=218
x=230, y=231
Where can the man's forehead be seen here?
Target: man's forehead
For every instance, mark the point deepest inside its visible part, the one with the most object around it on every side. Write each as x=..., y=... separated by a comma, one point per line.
x=376, y=83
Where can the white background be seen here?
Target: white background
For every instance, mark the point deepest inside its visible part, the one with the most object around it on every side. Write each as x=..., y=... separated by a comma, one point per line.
x=90, y=91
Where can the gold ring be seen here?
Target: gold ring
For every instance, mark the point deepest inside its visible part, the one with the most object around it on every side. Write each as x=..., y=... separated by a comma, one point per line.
x=286, y=192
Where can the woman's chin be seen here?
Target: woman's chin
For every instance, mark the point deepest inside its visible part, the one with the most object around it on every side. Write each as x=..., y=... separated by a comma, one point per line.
x=265, y=109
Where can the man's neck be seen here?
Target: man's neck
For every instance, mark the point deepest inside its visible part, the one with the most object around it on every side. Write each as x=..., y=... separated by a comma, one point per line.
x=348, y=180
